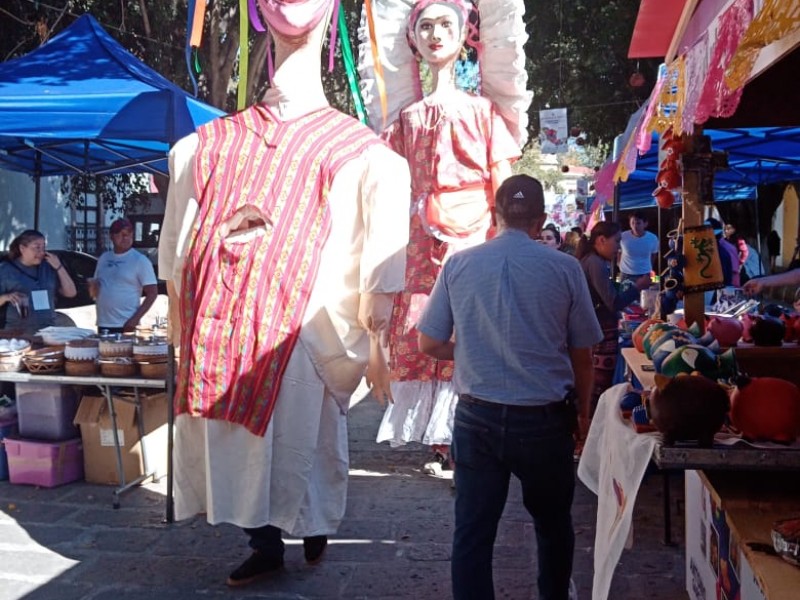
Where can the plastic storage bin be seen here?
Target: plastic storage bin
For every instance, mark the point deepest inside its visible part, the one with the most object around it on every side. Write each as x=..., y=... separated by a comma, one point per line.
x=46, y=464
x=46, y=411
x=8, y=428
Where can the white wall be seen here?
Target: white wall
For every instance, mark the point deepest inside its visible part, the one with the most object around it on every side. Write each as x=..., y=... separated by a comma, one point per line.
x=17, y=194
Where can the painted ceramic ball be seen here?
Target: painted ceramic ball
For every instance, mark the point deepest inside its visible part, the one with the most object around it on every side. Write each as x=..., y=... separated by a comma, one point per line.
x=668, y=343
x=690, y=358
x=653, y=335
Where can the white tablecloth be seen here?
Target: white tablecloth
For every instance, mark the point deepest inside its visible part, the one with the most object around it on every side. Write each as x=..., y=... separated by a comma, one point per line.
x=612, y=464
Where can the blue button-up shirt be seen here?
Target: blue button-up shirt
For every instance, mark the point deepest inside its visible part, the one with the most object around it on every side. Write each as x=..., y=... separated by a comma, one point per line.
x=516, y=307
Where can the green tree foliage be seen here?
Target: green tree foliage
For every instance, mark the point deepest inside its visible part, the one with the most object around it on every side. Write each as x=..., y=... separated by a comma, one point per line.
x=577, y=59
x=577, y=55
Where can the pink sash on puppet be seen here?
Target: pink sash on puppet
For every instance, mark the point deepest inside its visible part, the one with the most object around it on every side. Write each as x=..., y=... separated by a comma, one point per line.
x=453, y=215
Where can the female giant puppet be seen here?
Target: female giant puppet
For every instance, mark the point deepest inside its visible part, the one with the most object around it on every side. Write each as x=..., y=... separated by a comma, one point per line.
x=459, y=148
x=282, y=234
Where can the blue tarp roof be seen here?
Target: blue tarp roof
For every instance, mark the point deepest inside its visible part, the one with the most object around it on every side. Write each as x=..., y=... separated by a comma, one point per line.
x=87, y=105
x=756, y=156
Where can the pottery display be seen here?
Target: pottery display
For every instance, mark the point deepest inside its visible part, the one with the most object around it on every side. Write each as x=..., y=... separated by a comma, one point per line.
x=641, y=331
x=766, y=409
x=667, y=343
x=655, y=332
x=767, y=330
x=689, y=408
x=726, y=330
x=690, y=358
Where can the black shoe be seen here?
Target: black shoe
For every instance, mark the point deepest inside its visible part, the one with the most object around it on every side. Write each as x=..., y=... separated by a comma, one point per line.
x=256, y=567
x=314, y=548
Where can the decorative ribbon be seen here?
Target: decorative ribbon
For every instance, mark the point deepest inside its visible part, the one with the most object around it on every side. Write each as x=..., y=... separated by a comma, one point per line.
x=197, y=17
x=189, y=39
x=376, y=60
x=350, y=66
x=244, y=54
x=332, y=42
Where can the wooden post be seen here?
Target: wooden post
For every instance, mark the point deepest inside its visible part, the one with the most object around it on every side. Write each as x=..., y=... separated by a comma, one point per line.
x=693, y=215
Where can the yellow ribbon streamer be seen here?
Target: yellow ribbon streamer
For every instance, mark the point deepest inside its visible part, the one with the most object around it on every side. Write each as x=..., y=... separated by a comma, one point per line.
x=244, y=52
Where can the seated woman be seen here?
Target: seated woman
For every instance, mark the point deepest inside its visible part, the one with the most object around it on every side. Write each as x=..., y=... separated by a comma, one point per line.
x=29, y=281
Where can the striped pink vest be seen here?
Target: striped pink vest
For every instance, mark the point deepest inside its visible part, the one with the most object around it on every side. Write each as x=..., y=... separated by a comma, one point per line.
x=243, y=300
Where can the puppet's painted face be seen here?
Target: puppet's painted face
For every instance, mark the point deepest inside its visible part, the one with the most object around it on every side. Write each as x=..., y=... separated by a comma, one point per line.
x=439, y=34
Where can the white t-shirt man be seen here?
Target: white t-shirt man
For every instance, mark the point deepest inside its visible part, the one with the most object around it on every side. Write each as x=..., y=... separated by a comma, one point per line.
x=637, y=248
x=121, y=277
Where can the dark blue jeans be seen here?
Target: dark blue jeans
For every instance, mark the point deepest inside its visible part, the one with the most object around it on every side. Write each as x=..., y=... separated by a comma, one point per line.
x=490, y=442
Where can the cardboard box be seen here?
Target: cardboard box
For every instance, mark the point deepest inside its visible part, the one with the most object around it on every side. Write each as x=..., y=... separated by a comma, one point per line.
x=99, y=454
x=46, y=464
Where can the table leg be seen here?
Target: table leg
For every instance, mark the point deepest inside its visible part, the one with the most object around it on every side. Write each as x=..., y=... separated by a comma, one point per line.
x=170, y=516
x=146, y=473
x=120, y=469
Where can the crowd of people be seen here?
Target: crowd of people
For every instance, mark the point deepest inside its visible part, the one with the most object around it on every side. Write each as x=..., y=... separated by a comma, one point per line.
x=124, y=285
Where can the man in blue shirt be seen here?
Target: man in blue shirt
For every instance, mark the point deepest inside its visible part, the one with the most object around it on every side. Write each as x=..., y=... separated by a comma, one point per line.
x=524, y=326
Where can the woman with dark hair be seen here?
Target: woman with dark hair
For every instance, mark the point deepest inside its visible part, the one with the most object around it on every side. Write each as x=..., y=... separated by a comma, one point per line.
x=550, y=236
x=29, y=280
x=596, y=254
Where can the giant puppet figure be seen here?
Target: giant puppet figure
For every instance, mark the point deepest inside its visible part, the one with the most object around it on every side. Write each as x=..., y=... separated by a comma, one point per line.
x=459, y=147
x=284, y=232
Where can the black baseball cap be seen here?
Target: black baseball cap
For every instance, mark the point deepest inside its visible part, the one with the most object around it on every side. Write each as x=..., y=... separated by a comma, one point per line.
x=520, y=197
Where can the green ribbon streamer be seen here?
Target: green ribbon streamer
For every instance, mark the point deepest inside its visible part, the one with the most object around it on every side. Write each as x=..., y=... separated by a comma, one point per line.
x=197, y=68
x=350, y=66
x=244, y=52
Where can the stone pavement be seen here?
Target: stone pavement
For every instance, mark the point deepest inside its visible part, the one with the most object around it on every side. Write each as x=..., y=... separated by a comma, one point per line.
x=68, y=543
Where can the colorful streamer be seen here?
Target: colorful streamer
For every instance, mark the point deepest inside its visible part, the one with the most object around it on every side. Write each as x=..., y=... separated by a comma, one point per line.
x=350, y=66
x=196, y=19
x=188, y=50
x=376, y=60
x=244, y=54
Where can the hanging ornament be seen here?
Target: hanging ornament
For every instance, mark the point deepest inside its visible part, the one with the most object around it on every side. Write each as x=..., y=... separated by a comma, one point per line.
x=636, y=80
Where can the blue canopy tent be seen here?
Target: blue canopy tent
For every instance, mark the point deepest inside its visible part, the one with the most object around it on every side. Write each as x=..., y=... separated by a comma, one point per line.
x=83, y=104
x=756, y=156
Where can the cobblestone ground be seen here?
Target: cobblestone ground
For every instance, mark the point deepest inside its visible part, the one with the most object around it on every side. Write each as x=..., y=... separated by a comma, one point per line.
x=68, y=543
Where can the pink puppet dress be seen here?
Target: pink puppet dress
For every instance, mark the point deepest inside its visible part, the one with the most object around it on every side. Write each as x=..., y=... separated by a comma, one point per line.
x=450, y=151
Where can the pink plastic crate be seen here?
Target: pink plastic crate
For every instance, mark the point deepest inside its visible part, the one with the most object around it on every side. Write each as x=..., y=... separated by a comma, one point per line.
x=46, y=464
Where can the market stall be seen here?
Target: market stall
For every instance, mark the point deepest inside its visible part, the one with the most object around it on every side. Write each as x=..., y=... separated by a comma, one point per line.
x=122, y=438
x=694, y=411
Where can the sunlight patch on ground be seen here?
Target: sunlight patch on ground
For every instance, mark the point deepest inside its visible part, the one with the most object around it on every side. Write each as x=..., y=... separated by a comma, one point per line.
x=343, y=542
x=366, y=473
x=47, y=569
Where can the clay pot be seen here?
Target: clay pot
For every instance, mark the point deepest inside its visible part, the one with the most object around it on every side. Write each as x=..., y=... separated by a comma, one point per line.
x=767, y=331
x=655, y=332
x=638, y=334
x=667, y=344
x=767, y=409
x=690, y=358
x=747, y=322
x=668, y=178
x=688, y=408
x=664, y=198
x=790, y=323
x=726, y=330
